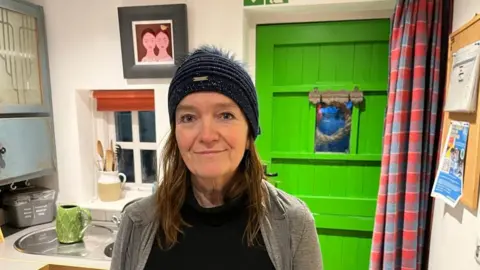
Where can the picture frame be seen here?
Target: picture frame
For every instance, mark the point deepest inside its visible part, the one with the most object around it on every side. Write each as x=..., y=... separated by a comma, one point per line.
x=153, y=40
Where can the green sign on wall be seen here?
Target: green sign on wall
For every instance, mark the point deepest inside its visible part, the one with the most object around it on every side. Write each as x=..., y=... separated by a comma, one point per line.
x=274, y=2
x=253, y=2
x=263, y=2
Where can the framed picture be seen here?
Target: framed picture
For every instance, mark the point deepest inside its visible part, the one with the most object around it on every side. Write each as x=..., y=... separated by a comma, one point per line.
x=153, y=39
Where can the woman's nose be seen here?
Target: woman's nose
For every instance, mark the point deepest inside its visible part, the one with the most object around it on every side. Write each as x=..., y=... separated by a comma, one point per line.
x=208, y=132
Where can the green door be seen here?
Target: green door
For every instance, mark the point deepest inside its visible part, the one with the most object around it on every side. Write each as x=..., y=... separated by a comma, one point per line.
x=340, y=188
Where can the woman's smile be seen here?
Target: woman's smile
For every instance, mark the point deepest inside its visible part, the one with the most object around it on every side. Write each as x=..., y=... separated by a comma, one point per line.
x=209, y=152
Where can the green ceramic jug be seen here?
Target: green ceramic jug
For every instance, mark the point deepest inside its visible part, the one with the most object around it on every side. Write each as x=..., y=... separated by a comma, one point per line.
x=71, y=223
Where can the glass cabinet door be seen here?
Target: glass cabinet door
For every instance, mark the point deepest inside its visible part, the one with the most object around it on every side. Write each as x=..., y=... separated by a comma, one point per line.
x=22, y=58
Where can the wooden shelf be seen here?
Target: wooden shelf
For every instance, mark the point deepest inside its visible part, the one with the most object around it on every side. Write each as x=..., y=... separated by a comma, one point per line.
x=327, y=156
x=305, y=88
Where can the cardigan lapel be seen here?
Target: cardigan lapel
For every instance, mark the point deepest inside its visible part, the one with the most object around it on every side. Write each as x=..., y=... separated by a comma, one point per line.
x=276, y=232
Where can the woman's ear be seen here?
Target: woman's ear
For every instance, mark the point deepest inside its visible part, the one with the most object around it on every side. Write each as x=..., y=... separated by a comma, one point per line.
x=247, y=144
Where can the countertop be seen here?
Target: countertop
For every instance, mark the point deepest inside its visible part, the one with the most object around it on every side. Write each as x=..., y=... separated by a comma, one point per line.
x=11, y=259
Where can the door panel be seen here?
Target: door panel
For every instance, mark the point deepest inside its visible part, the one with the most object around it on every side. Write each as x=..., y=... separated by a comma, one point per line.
x=370, y=128
x=341, y=194
x=339, y=188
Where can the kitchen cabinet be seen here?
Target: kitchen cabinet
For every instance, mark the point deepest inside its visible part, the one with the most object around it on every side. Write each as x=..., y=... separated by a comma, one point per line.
x=27, y=148
x=24, y=79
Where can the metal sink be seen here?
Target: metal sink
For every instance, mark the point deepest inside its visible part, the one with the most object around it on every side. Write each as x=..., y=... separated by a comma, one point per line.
x=108, y=250
x=44, y=242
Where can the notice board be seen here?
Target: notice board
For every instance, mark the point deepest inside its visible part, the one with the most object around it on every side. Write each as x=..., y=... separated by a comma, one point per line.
x=467, y=34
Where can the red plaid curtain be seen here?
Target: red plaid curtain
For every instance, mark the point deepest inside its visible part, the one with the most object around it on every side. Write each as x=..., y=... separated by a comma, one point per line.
x=410, y=135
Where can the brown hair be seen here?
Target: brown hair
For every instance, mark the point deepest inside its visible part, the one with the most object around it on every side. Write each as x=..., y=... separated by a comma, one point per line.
x=173, y=187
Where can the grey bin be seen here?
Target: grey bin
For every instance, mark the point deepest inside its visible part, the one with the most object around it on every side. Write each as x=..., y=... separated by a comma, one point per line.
x=29, y=206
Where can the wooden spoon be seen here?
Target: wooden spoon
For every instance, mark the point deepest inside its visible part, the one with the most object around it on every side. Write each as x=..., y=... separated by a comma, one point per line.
x=2, y=239
x=101, y=153
x=109, y=160
x=100, y=149
x=114, y=166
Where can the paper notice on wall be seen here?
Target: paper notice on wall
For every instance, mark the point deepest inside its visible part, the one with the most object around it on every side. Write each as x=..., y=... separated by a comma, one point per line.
x=448, y=185
x=462, y=89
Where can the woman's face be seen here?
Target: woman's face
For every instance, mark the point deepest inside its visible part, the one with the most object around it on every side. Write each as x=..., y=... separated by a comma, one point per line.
x=149, y=41
x=211, y=133
x=162, y=40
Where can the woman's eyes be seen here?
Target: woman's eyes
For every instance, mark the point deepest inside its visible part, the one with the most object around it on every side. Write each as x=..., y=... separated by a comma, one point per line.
x=227, y=116
x=187, y=118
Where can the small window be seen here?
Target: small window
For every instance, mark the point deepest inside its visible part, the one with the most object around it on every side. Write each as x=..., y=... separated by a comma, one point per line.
x=135, y=135
x=334, y=118
x=123, y=126
x=332, y=129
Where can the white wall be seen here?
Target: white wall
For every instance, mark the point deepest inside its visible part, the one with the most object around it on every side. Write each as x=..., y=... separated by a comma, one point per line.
x=455, y=230
x=84, y=54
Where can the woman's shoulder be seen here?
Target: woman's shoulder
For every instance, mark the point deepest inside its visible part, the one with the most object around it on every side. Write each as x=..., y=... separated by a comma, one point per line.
x=282, y=203
x=142, y=210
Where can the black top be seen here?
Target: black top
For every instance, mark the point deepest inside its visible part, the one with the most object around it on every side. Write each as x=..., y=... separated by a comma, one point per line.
x=214, y=242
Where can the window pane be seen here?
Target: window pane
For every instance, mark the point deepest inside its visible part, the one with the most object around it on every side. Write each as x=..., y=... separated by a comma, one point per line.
x=19, y=62
x=126, y=164
x=332, y=131
x=146, y=122
x=123, y=126
x=149, y=165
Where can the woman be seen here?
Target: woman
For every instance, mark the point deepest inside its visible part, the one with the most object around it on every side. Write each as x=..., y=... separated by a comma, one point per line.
x=149, y=43
x=162, y=41
x=213, y=209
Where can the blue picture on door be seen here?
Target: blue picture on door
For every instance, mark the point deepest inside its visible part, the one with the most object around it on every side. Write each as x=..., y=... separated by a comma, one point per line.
x=332, y=129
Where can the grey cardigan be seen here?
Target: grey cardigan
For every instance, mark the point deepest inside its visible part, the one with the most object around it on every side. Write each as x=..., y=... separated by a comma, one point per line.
x=288, y=230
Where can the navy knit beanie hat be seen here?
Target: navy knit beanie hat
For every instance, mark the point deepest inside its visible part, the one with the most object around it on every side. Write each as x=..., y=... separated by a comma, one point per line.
x=211, y=69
